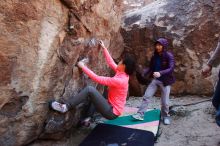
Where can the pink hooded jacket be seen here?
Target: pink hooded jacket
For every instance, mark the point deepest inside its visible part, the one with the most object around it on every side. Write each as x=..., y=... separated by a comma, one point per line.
x=117, y=85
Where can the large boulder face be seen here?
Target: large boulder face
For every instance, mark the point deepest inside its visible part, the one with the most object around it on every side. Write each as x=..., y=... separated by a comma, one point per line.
x=40, y=44
x=192, y=28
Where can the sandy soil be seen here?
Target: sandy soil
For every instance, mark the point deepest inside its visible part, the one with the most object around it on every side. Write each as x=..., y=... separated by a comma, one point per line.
x=192, y=125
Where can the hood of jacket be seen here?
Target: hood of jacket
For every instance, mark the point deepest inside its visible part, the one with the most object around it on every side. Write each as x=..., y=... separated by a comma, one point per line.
x=163, y=42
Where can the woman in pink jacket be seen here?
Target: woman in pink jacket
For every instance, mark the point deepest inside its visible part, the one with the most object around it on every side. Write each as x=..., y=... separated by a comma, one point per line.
x=117, y=88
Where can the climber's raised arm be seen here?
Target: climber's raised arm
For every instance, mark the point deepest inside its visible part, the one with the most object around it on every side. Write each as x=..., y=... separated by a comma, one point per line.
x=108, y=57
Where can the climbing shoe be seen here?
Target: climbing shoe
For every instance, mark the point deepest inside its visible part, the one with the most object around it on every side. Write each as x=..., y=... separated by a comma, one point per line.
x=62, y=108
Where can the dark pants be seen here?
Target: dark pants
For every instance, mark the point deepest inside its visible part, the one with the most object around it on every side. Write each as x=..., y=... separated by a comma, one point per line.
x=100, y=104
x=216, y=102
x=216, y=97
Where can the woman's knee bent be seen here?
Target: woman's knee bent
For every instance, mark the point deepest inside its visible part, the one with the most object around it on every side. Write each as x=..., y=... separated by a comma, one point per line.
x=90, y=89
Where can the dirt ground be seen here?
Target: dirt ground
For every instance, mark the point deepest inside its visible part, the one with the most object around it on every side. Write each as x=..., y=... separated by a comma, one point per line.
x=192, y=125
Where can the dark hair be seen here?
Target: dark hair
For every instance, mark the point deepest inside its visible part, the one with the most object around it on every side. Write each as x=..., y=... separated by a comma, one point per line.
x=129, y=63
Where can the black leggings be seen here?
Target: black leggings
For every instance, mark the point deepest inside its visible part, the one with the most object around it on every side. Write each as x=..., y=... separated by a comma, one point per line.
x=101, y=105
x=216, y=97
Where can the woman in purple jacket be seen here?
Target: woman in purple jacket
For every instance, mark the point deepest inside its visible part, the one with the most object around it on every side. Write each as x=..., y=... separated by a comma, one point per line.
x=161, y=68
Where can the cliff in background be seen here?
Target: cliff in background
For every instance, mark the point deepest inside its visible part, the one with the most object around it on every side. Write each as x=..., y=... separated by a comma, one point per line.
x=40, y=44
x=192, y=28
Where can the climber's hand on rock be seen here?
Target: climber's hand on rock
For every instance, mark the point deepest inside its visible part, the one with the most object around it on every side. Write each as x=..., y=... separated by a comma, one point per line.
x=156, y=74
x=101, y=44
x=80, y=64
x=206, y=71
